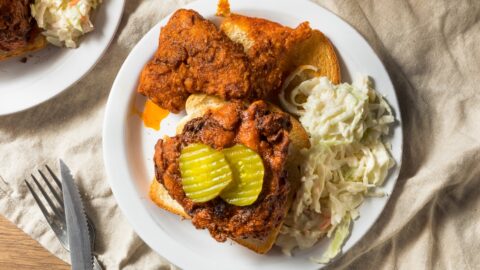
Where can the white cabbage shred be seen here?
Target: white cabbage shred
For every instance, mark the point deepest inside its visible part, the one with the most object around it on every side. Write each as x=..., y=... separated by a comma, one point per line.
x=64, y=21
x=346, y=162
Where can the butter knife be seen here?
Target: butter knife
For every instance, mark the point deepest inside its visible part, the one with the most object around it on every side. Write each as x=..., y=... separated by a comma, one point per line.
x=77, y=228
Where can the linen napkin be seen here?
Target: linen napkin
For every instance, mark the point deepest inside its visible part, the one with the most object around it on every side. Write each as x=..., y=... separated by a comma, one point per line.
x=431, y=51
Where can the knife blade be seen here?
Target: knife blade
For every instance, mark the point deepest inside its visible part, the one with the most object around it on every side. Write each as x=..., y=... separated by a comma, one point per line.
x=77, y=228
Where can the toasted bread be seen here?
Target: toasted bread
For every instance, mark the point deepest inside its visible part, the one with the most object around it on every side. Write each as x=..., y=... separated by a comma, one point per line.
x=317, y=50
x=196, y=106
x=159, y=195
x=37, y=42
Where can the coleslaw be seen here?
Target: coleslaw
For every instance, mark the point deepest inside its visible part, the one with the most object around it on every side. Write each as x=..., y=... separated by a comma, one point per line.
x=64, y=21
x=347, y=160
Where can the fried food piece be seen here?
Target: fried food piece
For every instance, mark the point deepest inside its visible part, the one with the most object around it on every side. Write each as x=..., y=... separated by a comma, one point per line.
x=15, y=24
x=256, y=127
x=269, y=47
x=18, y=30
x=194, y=56
x=198, y=104
x=35, y=43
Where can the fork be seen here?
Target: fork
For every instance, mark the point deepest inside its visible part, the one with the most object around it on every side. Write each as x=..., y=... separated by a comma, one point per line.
x=56, y=220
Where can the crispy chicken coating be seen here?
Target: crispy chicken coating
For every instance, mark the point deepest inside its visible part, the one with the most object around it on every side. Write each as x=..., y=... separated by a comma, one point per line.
x=15, y=24
x=258, y=128
x=194, y=56
x=249, y=60
x=269, y=47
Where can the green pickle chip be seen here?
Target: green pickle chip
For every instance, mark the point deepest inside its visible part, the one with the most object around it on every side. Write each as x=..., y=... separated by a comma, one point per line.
x=205, y=172
x=248, y=171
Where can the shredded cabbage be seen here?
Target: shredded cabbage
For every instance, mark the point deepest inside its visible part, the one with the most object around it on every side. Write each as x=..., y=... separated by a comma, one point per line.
x=64, y=21
x=341, y=234
x=346, y=162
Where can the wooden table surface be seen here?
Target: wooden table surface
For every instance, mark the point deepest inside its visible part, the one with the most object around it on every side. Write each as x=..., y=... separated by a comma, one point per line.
x=20, y=252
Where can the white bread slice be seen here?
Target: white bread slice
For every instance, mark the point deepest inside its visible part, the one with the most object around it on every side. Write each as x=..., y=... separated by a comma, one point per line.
x=159, y=195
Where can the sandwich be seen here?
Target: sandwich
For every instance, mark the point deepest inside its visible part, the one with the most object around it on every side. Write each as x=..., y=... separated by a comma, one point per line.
x=261, y=127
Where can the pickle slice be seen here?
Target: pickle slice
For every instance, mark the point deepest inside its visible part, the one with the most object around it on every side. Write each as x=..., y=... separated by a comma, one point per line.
x=205, y=172
x=248, y=171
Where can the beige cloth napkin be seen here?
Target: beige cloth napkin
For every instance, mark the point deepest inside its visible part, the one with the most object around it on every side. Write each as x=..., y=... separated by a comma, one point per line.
x=432, y=52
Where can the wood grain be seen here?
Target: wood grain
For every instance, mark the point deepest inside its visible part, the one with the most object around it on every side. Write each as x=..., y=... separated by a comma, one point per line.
x=20, y=252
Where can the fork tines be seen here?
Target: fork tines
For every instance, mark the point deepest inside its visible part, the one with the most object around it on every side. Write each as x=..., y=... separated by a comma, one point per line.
x=57, y=207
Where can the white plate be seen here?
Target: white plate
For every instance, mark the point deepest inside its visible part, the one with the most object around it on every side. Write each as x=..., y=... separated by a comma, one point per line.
x=129, y=146
x=52, y=70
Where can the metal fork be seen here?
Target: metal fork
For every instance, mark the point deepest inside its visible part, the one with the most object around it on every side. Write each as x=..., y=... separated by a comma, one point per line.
x=56, y=220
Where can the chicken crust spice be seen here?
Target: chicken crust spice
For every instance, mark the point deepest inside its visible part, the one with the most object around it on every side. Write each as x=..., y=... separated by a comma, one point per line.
x=254, y=126
x=194, y=56
x=248, y=59
x=15, y=24
x=269, y=47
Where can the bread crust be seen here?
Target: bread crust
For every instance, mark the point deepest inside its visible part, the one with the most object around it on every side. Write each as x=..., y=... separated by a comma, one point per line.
x=159, y=195
x=319, y=52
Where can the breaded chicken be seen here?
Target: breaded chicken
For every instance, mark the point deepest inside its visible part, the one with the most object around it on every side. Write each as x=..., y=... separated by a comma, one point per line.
x=19, y=32
x=194, y=56
x=254, y=126
x=15, y=24
x=269, y=47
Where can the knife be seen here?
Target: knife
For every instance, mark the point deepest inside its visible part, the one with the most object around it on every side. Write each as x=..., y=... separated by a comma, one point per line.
x=77, y=228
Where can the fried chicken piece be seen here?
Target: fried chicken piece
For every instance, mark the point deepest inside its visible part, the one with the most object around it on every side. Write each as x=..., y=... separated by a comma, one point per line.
x=194, y=56
x=15, y=24
x=269, y=47
x=255, y=126
x=19, y=32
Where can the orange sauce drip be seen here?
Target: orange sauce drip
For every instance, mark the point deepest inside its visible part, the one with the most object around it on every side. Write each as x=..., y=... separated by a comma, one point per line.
x=153, y=115
x=223, y=8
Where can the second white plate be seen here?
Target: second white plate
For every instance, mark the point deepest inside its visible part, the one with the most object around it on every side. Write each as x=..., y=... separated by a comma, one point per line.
x=52, y=70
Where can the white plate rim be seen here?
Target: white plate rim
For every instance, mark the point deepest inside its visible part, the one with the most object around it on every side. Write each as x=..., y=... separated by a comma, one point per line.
x=114, y=133
x=51, y=87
